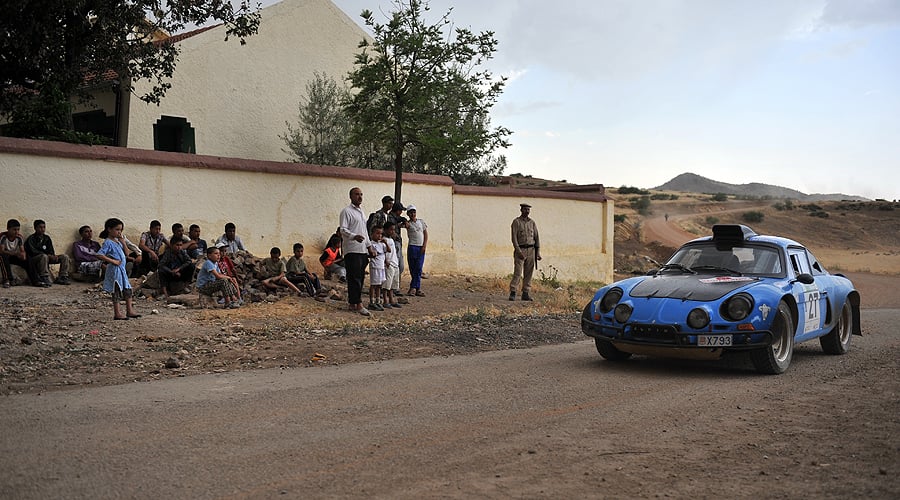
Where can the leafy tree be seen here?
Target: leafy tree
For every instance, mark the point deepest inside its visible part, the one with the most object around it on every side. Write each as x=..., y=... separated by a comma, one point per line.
x=641, y=204
x=54, y=51
x=719, y=197
x=322, y=134
x=631, y=190
x=418, y=94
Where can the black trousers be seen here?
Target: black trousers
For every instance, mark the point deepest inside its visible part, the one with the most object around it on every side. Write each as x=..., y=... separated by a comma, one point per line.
x=8, y=260
x=186, y=270
x=356, y=273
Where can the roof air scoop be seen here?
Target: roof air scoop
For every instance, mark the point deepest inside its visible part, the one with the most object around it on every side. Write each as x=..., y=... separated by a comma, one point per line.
x=734, y=233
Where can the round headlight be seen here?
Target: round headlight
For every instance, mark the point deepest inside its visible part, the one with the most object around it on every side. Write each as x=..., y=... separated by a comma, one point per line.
x=738, y=307
x=610, y=300
x=622, y=313
x=698, y=318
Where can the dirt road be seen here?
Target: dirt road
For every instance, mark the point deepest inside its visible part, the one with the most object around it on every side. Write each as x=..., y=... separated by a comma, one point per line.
x=553, y=421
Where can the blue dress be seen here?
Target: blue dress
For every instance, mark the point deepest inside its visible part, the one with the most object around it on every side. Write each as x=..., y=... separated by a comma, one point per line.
x=115, y=275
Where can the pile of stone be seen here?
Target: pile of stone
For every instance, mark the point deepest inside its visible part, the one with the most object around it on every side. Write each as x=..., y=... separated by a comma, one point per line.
x=247, y=269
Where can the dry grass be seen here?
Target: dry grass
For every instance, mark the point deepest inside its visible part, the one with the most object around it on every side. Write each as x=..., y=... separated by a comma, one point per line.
x=293, y=312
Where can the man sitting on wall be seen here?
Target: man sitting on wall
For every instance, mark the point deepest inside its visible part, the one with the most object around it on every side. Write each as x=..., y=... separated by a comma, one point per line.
x=232, y=242
x=12, y=251
x=199, y=244
x=151, y=245
x=187, y=244
x=39, y=248
x=85, y=251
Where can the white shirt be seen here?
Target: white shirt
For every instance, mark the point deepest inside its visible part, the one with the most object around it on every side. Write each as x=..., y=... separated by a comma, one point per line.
x=353, y=223
x=416, y=232
x=392, y=259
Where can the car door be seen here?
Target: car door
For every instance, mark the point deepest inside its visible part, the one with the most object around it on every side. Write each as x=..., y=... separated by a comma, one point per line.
x=810, y=298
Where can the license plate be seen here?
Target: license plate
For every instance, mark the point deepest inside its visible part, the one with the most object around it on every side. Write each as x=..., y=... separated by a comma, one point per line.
x=713, y=340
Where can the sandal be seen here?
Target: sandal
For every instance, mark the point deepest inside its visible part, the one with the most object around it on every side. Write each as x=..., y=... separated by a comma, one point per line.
x=133, y=315
x=123, y=318
x=419, y=294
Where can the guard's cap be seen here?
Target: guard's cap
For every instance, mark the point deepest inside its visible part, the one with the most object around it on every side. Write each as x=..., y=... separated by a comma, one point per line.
x=524, y=205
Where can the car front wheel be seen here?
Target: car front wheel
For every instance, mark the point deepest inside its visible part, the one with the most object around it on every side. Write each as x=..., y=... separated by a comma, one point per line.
x=609, y=351
x=776, y=358
x=838, y=339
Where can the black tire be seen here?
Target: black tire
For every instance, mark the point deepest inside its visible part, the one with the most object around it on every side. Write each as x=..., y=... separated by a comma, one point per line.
x=609, y=351
x=776, y=358
x=838, y=339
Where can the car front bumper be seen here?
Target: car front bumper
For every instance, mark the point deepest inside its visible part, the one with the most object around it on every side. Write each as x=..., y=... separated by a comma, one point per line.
x=669, y=336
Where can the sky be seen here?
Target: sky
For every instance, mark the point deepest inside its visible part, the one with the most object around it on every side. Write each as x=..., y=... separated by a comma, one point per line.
x=803, y=94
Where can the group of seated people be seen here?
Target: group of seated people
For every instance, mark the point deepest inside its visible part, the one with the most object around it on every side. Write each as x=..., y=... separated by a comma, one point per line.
x=177, y=261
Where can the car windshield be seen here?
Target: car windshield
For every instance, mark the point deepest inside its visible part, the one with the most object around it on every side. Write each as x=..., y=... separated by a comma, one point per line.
x=705, y=258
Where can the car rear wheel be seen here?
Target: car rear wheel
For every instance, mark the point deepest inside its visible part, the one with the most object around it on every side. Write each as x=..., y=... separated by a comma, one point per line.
x=609, y=351
x=776, y=358
x=838, y=339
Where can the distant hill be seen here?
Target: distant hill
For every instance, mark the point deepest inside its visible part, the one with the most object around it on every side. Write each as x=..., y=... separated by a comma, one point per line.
x=693, y=183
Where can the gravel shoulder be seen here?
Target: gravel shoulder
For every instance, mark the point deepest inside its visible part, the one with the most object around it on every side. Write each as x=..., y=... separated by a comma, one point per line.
x=65, y=336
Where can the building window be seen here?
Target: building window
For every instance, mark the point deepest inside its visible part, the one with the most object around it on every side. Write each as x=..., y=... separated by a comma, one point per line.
x=173, y=134
x=96, y=122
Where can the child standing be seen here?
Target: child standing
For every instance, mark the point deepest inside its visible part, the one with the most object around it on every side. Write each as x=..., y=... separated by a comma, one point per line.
x=210, y=280
x=115, y=280
x=298, y=274
x=391, y=267
x=376, y=268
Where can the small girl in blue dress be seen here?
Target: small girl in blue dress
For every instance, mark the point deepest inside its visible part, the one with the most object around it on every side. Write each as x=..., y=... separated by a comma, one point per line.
x=115, y=281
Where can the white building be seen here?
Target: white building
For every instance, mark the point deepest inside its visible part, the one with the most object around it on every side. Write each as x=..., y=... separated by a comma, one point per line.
x=229, y=99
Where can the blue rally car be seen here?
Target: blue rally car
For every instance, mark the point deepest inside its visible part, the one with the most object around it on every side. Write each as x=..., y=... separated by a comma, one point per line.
x=735, y=290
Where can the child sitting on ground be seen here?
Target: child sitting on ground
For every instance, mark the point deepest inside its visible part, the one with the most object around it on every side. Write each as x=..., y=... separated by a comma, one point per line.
x=176, y=270
x=274, y=272
x=299, y=275
x=376, y=269
x=332, y=260
x=211, y=281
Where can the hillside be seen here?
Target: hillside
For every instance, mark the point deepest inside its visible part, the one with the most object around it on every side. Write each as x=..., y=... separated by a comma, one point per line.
x=693, y=183
x=845, y=236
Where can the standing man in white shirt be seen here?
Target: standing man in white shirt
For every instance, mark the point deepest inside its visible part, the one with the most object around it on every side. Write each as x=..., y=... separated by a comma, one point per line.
x=355, y=245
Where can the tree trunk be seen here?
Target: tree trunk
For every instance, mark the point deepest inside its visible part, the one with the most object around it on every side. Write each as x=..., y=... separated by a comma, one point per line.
x=398, y=174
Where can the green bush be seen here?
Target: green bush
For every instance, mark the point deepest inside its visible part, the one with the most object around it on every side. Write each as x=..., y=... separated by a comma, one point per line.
x=640, y=204
x=631, y=190
x=719, y=197
x=619, y=217
x=712, y=220
x=754, y=216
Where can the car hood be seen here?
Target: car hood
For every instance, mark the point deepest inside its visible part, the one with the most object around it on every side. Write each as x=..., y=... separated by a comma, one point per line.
x=690, y=287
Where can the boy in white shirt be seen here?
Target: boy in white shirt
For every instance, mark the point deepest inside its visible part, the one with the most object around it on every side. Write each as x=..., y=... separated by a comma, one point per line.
x=391, y=268
x=376, y=268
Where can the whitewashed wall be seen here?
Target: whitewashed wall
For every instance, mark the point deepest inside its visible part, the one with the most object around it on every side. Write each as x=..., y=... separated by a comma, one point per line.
x=277, y=204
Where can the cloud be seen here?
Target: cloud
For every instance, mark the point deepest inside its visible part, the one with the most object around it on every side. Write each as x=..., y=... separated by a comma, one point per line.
x=860, y=13
x=506, y=109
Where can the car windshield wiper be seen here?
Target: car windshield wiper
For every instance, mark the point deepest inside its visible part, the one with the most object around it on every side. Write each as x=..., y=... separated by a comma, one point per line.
x=717, y=268
x=679, y=267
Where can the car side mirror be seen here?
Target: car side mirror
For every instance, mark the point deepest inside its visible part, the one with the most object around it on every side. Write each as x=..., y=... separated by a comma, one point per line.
x=805, y=278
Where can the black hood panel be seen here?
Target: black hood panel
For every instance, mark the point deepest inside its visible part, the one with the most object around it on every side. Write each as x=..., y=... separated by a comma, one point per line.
x=689, y=287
